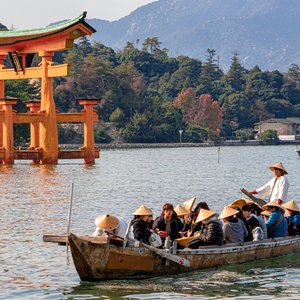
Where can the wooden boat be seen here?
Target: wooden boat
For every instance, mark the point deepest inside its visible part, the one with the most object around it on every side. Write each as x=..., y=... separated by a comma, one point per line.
x=96, y=260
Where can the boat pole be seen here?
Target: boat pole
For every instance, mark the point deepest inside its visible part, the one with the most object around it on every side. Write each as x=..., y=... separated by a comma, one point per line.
x=69, y=222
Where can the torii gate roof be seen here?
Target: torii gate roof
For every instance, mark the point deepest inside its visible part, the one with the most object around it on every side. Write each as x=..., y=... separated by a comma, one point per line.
x=57, y=37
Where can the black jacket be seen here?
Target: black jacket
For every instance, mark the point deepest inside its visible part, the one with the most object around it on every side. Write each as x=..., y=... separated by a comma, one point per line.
x=141, y=231
x=176, y=226
x=212, y=234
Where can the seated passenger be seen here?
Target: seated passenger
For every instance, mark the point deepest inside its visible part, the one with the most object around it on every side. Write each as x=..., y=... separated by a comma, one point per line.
x=276, y=224
x=199, y=225
x=256, y=231
x=140, y=224
x=212, y=234
x=233, y=228
x=246, y=217
x=257, y=210
x=292, y=213
x=185, y=217
x=197, y=210
x=110, y=223
x=168, y=224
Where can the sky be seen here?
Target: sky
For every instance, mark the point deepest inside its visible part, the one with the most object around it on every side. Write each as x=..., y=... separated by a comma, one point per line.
x=29, y=14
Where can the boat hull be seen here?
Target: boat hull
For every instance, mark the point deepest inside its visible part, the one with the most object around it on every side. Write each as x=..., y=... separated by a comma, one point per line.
x=95, y=261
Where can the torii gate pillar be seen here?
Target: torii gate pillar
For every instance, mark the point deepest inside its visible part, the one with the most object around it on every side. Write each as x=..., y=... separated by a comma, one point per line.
x=8, y=130
x=89, y=139
x=2, y=95
x=34, y=107
x=48, y=128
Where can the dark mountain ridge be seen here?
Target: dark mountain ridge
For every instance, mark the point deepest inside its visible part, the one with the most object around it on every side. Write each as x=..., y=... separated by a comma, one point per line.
x=264, y=32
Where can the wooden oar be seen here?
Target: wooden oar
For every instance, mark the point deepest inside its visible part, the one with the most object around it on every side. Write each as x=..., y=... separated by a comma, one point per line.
x=259, y=201
x=163, y=253
x=69, y=222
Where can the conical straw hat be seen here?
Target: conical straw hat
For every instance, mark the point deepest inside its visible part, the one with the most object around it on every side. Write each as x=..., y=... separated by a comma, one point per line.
x=291, y=205
x=188, y=204
x=185, y=240
x=238, y=203
x=204, y=214
x=107, y=222
x=228, y=212
x=143, y=211
x=181, y=211
x=273, y=204
x=278, y=166
x=265, y=213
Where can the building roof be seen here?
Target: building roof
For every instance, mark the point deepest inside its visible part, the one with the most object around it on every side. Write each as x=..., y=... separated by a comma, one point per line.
x=14, y=40
x=288, y=121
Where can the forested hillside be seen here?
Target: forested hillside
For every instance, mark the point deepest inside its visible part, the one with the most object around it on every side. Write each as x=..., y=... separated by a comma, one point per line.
x=150, y=96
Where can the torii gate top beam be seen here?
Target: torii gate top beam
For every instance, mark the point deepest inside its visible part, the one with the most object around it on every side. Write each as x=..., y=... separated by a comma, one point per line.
x=52, y=38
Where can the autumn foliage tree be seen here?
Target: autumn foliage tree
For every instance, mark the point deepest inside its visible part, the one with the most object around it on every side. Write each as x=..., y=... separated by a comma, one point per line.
x=203, y=110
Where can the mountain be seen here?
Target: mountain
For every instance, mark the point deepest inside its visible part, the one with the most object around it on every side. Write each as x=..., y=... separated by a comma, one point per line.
x=3, y=27
x=264, y=32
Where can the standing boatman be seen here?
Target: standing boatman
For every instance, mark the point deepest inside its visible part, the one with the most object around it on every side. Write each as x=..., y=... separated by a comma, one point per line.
x=277, y=188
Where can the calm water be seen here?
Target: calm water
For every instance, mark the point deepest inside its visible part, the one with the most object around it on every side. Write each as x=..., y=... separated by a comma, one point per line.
x=34, y=201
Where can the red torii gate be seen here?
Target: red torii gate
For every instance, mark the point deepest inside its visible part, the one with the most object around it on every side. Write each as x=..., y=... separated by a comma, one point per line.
x=42, y=115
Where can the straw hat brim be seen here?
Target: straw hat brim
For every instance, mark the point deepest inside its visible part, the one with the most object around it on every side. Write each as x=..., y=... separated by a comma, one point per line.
x=184, y=241
x=278, y=166
x=265, y=213
x=238, y=203
x=143, y=211
x=291, y=205
x=228, y=212
x=107, y=222
x=273, y=204
x=204, y=214
x=189, y=204
x=181, y=211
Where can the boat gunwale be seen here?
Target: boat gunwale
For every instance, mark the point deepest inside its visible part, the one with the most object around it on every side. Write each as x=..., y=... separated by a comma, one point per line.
x=230, y=248
x=226, y=248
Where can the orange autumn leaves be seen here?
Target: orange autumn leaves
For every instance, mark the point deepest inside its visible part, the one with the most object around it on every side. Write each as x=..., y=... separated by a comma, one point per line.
x=203, y=110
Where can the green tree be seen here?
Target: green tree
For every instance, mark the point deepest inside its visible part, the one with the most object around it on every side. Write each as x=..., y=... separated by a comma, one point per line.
x=195, y=134
x=138, y=130
x=210, y=75
x=235, y=77
x=269, y=137
x=117, y=117
x=294, y=73
x=280, y=108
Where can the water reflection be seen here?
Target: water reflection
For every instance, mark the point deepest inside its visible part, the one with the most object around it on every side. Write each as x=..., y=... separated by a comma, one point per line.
x=274, y=277
x=34, y=200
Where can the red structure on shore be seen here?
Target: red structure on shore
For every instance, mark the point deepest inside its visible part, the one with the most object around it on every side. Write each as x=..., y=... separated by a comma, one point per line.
x=42, y=115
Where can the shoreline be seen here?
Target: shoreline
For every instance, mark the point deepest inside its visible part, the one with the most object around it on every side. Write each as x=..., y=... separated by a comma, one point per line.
x=228, y=143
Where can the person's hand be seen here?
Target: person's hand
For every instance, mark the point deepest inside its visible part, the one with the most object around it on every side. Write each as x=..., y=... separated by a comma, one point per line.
x=249, y=192
x=162, y=234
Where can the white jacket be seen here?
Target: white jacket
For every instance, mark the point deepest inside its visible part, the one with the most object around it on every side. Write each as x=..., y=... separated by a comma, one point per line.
x=280, y=190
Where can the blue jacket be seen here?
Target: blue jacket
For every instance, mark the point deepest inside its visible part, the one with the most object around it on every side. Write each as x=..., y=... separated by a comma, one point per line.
x=281, y=229
x=295, y=219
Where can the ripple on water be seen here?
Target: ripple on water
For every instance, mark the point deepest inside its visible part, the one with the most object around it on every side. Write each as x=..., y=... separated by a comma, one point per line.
x=35, y=201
